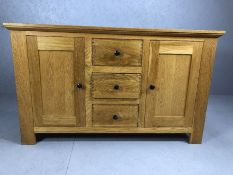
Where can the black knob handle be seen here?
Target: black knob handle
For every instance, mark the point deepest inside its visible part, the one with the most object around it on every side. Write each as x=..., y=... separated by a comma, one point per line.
x=117, y=53
x=152, y=87
x=116, y=87
x=115, y=117
x=79, y=85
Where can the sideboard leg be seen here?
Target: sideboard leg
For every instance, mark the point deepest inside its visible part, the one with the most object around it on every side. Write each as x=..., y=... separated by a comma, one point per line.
x=28, y=139
x=203, y=87
x=23, y=89
x=195, y=138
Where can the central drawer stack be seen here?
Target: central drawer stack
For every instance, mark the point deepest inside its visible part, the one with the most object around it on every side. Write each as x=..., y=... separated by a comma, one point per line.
x=115, y=82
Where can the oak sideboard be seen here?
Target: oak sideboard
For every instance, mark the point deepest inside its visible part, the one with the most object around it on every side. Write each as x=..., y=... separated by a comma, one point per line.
x=80, y=79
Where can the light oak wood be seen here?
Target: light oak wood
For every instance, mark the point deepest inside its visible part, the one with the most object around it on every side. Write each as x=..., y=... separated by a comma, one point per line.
x=126, y=115
x=57, y=84
x=35, y=78
x=104, y=52
x=53, y=75
x=155, y=130
x=207, y=63
x=145, y=64
x=175, y=78
x=55, y=43
x=111, y=69
x=58, y=120
x=66, y=77
x=103, y=85
x=88, y=72
x=22, y=80
x=79, y=77
x=175, y=48
x=111, y=30
x=116, y=101
x=113, y=36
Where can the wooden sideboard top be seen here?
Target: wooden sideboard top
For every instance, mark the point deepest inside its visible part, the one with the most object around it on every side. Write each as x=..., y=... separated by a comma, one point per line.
x=111, y=30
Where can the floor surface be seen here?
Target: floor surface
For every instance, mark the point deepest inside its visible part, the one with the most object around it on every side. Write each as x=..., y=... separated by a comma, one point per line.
x=118, y=155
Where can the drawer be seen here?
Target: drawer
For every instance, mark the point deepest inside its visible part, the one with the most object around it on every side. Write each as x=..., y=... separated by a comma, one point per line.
x=116, y=85
x=115, y=115
x=115, y=52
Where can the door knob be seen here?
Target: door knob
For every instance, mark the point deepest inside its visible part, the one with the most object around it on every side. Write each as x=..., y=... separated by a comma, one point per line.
x=115, y=117
x=116, y=87
x=79, y=85
x=117, y=53
x=152, y=87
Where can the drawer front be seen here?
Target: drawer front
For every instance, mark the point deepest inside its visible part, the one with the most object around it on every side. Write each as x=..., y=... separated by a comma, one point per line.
x=116, y=85
x=115, y=115
x=117, y=52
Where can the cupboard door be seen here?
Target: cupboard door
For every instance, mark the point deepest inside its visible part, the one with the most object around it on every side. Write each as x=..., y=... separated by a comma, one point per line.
x=56, y=65
x=172, y=83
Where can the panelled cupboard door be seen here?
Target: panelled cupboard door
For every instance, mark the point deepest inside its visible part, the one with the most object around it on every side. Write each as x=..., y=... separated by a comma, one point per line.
x=56, y=66
x=172, y=83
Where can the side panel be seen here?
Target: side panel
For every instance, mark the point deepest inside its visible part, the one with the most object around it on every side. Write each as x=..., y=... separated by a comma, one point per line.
x=19, y=47
x=204, y=82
